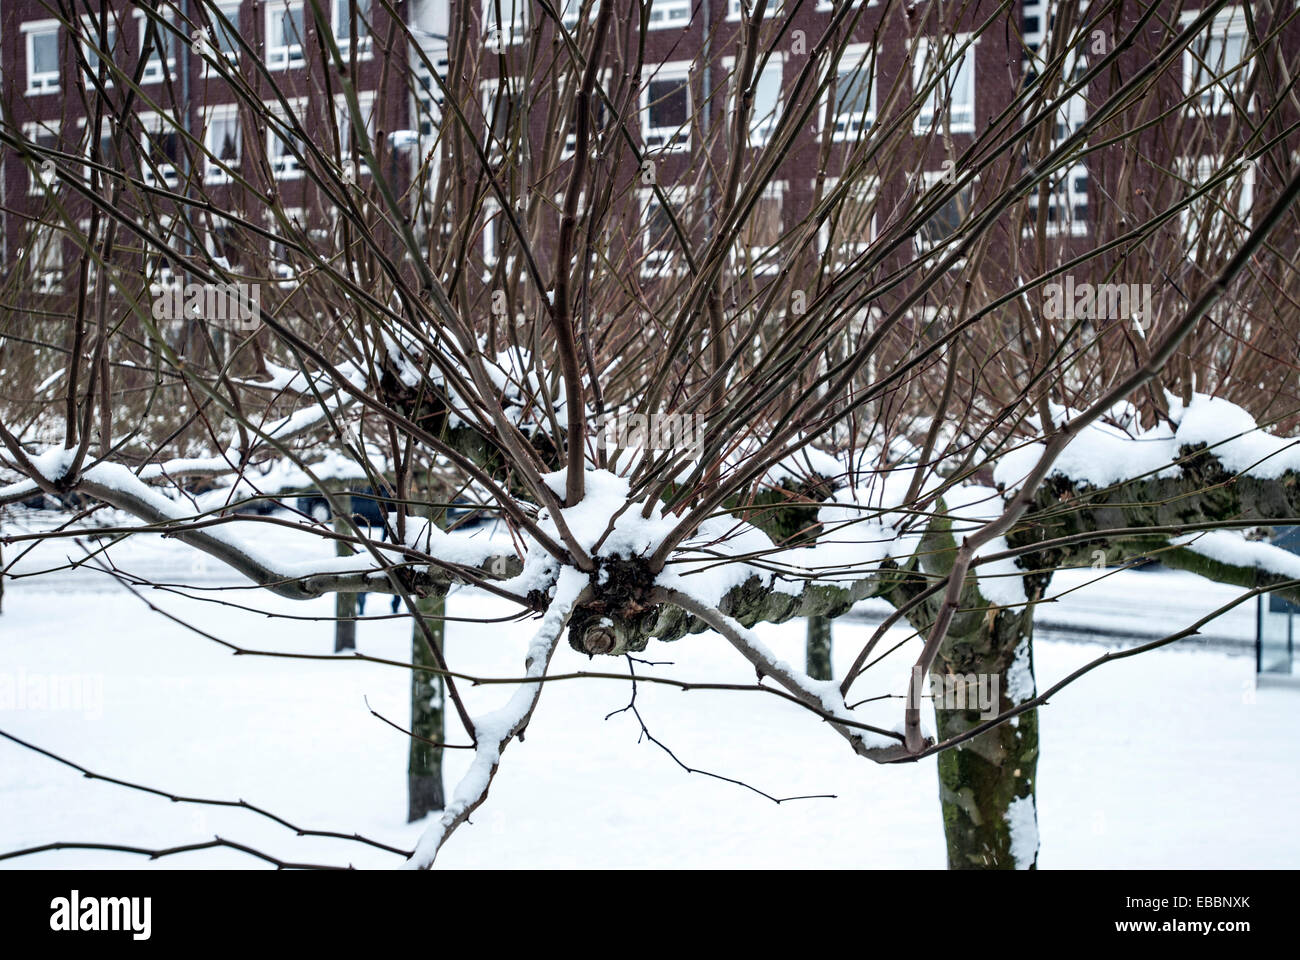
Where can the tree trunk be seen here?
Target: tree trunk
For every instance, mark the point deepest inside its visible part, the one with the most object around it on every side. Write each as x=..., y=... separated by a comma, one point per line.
x=424, y=769
x=345, y=604
x=987, y=785
x=818, y=656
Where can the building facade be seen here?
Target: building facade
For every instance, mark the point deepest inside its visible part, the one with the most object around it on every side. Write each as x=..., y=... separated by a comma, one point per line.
x=190, y=130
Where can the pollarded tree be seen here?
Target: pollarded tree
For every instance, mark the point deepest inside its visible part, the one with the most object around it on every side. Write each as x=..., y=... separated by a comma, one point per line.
x=699, y=399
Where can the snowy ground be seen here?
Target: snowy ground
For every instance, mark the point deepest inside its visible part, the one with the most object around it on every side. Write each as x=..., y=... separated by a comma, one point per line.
x=1170, y=759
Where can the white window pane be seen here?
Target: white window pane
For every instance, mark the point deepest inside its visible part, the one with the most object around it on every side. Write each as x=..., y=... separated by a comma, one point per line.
x=224, y=34
x=669, y=13
x=667, y=109
x=45, y=52
x=505, y=22
x=766, y=106
x=343, y=15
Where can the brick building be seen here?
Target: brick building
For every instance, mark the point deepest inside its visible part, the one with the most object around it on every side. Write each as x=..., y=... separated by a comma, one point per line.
x=191, y=129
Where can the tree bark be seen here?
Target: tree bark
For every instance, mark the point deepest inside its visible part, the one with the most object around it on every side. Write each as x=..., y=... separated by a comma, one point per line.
x=818, y=654
x=988, y=785
x=345, y=604
x=424, y=768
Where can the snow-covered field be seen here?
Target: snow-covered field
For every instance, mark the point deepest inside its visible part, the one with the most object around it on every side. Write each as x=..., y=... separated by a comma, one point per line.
x=1170, y=759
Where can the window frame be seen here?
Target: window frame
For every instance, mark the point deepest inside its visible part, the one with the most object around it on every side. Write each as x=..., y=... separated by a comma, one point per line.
x=32, y=130
x=286, y=55
x=159, y=272
x=154, y=71
x=825, y=6
x=45, y=81
x=937, y=98
x=1228, y=22
x=495, y=37
x=927, y=251
x=676, y=139
x=770, y=118
x=570, y=21
x=90, y=40
x=680, y=15
x=861, y=53
x=286, y=277
x=655, y=263
x=153, y=125
x=1197, y=169
x=489, y=91
x=598, y=104
x=291, y=169
x=366, y=44
x=1071, y=226
x=86, y=145
x=231, y=10
x=212, y=171
x=50, y=245
x=342, y=118
x=867, y=190
x=762, y=258
x=774, y=9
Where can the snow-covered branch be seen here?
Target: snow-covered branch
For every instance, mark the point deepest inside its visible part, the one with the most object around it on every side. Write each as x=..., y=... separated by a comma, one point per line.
x=493, y=732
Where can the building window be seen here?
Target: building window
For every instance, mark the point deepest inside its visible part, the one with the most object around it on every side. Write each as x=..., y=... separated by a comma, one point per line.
x=669, y=13
x=658, y=238
x=159, y=269
x=160, y=37
x=160, y=149
x=761, y=235
x=1032, y=16
x=42, y=174
x=281, y=266
x=498, y=240
x=429, y=99
x=851, y=226
x=283, y=143
x=855, y=93
x=599, y=117
x=42, y=56
x=44, y=258
x=92, y=42
x=502, y=108
x=1067, y=203
x=223, y=246
x=948, y=219
x=285, y=32
x=505, y=22
x=493, y=225
x=225, y=30
x=666, y=108
x=953, y=90
x=571, y=10
x=343, y=18
x=765, y=108
x=1223, y=211
x=774, y=8
x=343, y=119
x=92, y=268
x=1214, y=64
x=107, y=156
x=222, y=141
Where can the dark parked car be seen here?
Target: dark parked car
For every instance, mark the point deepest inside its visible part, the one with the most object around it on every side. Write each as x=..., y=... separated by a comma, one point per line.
x=464, y=513
x=63, y=502
x=365, y=508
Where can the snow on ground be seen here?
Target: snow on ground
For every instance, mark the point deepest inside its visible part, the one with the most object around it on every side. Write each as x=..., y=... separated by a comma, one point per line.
x=1169, y=759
